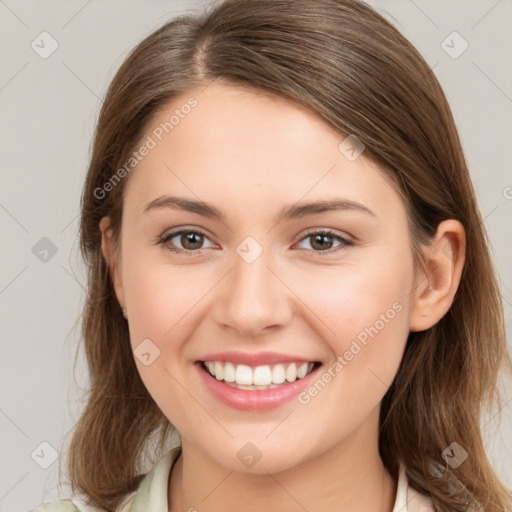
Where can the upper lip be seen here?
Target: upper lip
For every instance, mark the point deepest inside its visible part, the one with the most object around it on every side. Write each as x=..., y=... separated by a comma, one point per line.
x=256, y=359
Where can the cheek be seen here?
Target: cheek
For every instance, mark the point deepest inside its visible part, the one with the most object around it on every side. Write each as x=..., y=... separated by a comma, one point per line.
x=351, y=297
x=158, y=305
x=161, y=296
x=362, y=312
x=161, y=299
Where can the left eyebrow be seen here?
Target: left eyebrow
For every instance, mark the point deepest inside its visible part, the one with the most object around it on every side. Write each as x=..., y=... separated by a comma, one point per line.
x=287, y=213
x=303, y=210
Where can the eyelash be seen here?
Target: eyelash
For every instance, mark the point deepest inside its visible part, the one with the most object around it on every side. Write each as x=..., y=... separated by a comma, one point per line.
x=344, y=242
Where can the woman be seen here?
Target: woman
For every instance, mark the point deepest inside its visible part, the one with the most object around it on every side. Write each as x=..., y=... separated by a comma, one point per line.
x=288, y=270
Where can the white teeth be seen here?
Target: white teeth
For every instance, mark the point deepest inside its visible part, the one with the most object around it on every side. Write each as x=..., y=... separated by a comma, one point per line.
x=291, y=373
x=229, y=372
x=302, y=370
x=243, y=374
x=260, y=377
x=219, y=371
x=278, y=374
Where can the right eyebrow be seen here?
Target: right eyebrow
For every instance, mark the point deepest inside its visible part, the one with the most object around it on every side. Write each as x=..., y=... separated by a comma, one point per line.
x=180, y=203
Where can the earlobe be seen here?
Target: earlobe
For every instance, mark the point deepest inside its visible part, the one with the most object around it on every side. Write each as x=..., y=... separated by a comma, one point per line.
x=435, y=290
x=112, y=259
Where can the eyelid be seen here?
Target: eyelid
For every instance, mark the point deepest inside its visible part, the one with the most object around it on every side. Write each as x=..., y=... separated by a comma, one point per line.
x=328, y=231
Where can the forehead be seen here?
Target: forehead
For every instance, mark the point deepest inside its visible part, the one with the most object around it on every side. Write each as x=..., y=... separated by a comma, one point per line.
x=244, y=147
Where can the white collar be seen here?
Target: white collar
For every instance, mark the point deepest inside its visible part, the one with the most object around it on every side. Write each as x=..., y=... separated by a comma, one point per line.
x=407, y=499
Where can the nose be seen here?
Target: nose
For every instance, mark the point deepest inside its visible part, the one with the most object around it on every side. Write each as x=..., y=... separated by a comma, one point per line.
x=253, y=299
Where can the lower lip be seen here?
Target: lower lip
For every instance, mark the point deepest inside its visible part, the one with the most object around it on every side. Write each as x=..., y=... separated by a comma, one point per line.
x=252, y=399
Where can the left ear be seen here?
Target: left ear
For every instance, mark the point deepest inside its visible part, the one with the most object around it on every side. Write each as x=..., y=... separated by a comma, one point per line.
x=435, y=290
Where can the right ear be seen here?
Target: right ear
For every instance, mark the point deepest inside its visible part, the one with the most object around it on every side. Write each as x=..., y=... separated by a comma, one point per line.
x=111, y=257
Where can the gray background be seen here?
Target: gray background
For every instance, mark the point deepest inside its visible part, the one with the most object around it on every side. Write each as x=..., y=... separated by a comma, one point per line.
x=48, y=111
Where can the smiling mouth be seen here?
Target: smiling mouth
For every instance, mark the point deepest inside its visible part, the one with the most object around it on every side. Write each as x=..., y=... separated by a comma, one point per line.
x=260, y=378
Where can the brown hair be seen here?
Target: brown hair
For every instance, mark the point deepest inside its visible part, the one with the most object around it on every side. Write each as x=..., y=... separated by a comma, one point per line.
x=348, y=64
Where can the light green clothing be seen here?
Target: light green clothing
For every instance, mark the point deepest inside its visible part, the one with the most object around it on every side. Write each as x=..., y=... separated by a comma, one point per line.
x=151, y=495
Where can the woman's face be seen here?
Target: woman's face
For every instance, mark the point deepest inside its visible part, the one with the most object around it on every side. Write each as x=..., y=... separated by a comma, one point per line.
x=260, y=282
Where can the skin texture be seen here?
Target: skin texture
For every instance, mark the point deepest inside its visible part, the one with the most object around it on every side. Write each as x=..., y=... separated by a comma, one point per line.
x=250, y=154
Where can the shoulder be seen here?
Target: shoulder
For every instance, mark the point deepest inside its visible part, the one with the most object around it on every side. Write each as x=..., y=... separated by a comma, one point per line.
x=151, y=493
x=57, y=506
x=65, y=505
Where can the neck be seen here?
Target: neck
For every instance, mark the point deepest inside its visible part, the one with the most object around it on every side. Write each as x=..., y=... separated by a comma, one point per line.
x=348, y=477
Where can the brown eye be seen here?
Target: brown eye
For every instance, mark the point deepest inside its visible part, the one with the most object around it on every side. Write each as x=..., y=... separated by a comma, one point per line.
x=322, y=242
x=190, y=241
